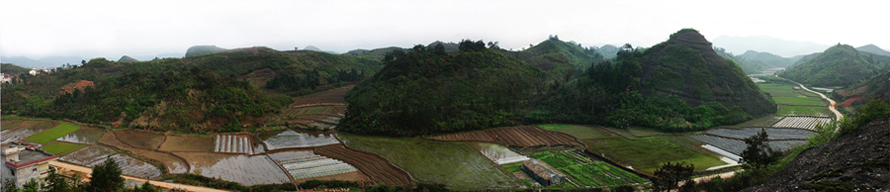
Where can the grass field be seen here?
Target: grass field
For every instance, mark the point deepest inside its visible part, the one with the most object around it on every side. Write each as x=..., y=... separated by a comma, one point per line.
x=803, y=111
x=798, y=100
x=455, y=164
x=45, y=137
x=647, y=154
x=512, y=167
x=579, y=131
x=778, y=90
x=61, y=148
x=585, y=172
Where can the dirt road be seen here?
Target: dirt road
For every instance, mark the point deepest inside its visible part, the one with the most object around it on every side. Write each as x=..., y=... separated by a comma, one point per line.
x=87, y=170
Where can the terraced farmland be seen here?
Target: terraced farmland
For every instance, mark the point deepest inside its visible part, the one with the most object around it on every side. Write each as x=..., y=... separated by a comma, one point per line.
x=132, y=166
x=377, y=168
x=802, y=122
x=14, y=130
x=294, y=139
x=773, y=133
x=587, y=173
x=524, y=136
x=306, y=164
x=233, y=144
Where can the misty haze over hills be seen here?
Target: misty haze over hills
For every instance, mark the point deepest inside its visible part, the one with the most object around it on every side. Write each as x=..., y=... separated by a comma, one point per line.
x=781, y=47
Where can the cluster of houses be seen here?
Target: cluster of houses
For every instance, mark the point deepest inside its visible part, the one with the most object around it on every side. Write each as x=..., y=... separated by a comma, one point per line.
x=7, y=78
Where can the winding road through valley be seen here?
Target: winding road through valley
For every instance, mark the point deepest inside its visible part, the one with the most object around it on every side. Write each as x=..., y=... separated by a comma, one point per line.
x=837, y=115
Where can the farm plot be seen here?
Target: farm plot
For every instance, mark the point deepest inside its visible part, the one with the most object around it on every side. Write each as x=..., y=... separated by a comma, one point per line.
x=187, y=143
x=243, y=169
x=378, y=169
x=778, y=90
x=88, y=155
x=132, y=166
x=737, y=146
x=579, y=131
x=525, y=136
x=809, y=123
x=306, y=164
x=648, y=153
x=498, y=154
x=233, y=144
x=18, y=130
x=174, y=164
x=294, y=139
x=787, y=110
x=61, y=148
x=139, y=138
x=49, y=135
x=773, y=133
x=586, y=172
x=333, y=96
x=808, y=101
x=456, y=164
x=85, y=135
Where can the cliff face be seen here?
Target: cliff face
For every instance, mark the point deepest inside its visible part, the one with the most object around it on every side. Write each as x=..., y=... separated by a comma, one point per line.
x=859, y=160
x=687, y=66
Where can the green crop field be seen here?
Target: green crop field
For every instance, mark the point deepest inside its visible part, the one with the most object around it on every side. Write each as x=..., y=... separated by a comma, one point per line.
x=778, y=90
x=455, y=164
x=46, y=136
x=512, y=167
x=798, y=100
x=61, y=148
x=579, y=131
x=585, y=172
x=648, y=153
x=803, y=111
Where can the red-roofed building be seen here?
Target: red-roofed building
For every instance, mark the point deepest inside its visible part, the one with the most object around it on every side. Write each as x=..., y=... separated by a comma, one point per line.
x=23, y=163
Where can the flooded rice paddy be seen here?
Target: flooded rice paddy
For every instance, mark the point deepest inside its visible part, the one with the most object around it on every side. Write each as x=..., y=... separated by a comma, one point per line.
x=306, y=164
x=243, y=169
x=84, y=135
x=132, y=166
x=88, y=155
x=498, y=154
x=294, y=139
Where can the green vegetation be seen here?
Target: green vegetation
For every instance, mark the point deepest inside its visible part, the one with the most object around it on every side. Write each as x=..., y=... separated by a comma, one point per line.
x=778, y=90
x=745, y=65
x=49, y=135
x=811, y=101
x=803, y=111
x=12, y=69
x=766, y=60
x=216, y=183
x=428, y=91
x=840, y=65
x=202, y=50
x=579, y=131
x=61, y=148
x=207, y=93
x=558, y=58
x=512, y=167
x=588, y=173
x=456, y=164
x=648, y=153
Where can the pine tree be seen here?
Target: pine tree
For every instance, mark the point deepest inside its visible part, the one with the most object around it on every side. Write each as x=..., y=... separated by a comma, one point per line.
x=106, y=177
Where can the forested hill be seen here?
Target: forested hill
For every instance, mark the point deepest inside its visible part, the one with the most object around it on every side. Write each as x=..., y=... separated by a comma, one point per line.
x=877, y=86
x=687, y=66
x=206, y=93
x=840, y=65
x=766, y=60
x=747, y=66
x=10, y=68
x=428, y=90
x=558, y=57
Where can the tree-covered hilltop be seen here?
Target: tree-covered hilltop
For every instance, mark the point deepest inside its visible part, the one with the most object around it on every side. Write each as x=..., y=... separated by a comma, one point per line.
x=766, y=60
x=206, y=93
x=202, y=49
x=747, y=66
x=10, y=68
x=427, y=90
x=678, y=85
x=840, y=65
x=557, y=57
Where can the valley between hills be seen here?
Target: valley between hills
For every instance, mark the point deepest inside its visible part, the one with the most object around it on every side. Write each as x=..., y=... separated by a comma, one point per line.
x=466, y=116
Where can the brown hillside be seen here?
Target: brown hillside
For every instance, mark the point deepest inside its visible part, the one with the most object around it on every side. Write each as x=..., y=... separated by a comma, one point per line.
x=688, y=67
x=80, y=85
x=860, y=159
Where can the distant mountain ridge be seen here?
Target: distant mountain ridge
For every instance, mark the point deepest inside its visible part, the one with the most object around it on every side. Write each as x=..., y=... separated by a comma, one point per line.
x=766, y=59
x=202, y=50
x=839, y=65
x=871, y=48
x=773, y=45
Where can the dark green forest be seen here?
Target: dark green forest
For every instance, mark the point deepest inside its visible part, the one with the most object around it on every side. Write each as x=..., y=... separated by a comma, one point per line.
x=840, y=65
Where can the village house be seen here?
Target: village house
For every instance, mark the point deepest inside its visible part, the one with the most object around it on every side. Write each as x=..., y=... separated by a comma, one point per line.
x=543, y=173
x=24, y=162
x=5, y=78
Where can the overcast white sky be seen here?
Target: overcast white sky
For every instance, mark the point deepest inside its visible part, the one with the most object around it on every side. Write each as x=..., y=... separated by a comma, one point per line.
x=36, y=29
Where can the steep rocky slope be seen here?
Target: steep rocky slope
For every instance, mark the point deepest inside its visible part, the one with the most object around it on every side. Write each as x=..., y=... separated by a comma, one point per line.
x=859, y=160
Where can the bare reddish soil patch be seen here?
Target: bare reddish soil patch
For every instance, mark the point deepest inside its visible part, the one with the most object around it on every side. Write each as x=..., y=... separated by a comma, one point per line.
x=80, y=85
x=524, y=136
x=850, y=101
x=186, y=143
x=377, y=168
x=140, y=138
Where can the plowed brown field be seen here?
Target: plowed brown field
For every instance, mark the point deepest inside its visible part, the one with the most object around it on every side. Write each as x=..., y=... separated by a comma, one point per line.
x=524, y=136
x=377, y=168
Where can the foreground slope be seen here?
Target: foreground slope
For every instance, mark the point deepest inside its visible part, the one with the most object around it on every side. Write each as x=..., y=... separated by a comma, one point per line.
x=687, y=66
x=858, y=160
x=840, y=65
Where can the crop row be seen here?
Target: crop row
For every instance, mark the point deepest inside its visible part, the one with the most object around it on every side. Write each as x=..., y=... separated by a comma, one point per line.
x=314, y=166
x=232, y=144
x=738, y=146
x=802, y=122
x=773, y=133
x=375, y=167
x=525, y=136
x=293, y=139
x=585, y=172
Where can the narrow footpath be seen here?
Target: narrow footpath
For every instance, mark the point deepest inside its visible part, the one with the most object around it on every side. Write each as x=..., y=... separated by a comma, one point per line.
x=87, y=170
